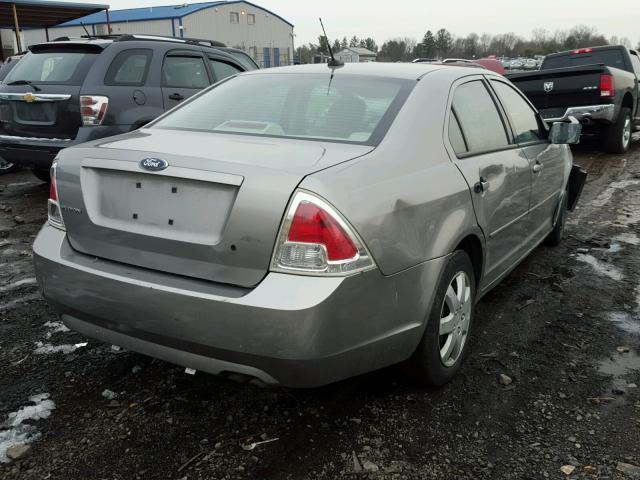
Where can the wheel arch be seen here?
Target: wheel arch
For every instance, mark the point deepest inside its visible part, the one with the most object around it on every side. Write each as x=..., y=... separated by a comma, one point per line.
x=473, y=245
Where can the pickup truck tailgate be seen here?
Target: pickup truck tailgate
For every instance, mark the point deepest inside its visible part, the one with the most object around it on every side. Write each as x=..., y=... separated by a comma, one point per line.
x=552, y=91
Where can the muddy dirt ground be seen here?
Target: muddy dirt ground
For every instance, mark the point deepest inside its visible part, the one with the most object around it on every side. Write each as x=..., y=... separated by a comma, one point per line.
x=564, y=326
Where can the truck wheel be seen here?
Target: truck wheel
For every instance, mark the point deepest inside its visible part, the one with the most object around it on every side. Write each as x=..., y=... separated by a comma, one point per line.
x=42, y=175
x=446, y=336
x=618, y=136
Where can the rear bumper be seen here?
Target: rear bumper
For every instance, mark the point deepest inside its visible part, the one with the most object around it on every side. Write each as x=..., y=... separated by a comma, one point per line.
x=294, y=330
x=38, y=153
x=601, y=113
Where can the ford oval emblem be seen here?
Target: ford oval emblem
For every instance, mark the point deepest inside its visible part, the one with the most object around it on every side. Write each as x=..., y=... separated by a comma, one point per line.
x=153, y=164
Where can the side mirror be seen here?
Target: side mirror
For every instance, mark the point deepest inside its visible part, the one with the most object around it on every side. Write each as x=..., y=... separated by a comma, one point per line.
x=562, y=133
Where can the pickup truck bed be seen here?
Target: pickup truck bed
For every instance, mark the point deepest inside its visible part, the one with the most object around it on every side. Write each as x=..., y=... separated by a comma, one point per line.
x=597, y=85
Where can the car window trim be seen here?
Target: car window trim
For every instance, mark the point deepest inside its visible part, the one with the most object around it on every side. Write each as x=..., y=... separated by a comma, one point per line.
x=188, y=54
x=143, y=82
x=464, y=137
x=541, y=123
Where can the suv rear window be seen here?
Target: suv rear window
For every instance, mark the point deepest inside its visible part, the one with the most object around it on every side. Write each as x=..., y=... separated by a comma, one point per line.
x=349, y=108
x=611, y=58
x=130, y=67
x=51, y=66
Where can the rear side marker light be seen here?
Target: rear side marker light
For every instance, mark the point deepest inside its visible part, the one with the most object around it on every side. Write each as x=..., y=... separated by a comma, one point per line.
x=93, y=109
x=607, y=87
x=54, y=213
x=315, y=239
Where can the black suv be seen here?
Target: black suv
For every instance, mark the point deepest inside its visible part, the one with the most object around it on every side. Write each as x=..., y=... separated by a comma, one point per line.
x=71, y=91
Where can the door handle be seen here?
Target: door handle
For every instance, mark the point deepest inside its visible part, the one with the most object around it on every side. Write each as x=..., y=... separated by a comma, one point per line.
x=537, y=168
x=176, y=96
x=481, y=186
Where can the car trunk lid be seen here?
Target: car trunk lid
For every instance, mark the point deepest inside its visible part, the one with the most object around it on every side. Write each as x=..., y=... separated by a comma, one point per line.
x=212, y=213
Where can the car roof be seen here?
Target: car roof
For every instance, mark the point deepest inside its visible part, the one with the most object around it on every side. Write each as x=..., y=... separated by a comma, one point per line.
x=408, y=71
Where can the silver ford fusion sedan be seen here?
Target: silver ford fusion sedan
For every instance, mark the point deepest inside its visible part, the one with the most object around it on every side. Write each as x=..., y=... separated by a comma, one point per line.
x=306, y=224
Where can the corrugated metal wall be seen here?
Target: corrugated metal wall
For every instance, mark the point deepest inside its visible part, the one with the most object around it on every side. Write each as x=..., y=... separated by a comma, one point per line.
x=268, y=32
x=266, y=38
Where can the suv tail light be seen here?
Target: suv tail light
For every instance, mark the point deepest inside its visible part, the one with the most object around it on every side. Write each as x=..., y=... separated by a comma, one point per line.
x=93, y=109
x=607, y=88
x=53, y=207
x=315, y=239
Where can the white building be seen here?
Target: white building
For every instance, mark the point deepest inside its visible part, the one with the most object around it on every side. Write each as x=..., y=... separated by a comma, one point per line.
x=264, y=35
x=355, y=55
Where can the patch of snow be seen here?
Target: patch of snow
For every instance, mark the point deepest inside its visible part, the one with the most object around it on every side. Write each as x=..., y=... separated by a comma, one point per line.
x=18, y=301
x=17, y=284
x=109, y=395
x=55, y=327
x=627, y=237
x=16, y=431
x=605, y=196
x=614, y=248
x=601, y=267
x=47, y=348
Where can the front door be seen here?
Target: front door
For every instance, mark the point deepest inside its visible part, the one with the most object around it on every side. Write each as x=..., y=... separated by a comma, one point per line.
x=183, y=74
x=497, y=172
x=545, y=159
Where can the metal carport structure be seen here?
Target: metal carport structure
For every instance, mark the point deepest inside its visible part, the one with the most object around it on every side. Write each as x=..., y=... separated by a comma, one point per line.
x=18, y=14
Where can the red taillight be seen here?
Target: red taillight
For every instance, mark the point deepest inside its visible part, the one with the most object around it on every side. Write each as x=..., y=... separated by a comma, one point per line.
x=583, y=50
x=53, y=193
x=607, y=88
x=93, y=109
x=314, y=239
x=53, y=207
x=311, y=224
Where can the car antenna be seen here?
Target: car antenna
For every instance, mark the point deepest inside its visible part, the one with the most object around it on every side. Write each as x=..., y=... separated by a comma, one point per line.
x=333, y=63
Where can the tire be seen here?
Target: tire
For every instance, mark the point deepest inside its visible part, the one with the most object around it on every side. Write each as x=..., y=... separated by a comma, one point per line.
x=7, y=167
x=557, y=234
x=618, y=136
x=42, y=175
x=432, y=363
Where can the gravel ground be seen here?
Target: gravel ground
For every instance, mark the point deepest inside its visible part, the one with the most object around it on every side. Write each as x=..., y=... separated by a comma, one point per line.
x=564, y=327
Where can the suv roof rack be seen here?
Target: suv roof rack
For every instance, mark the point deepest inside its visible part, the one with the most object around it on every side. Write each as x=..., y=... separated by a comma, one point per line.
x=161, y=38
x=86, y=37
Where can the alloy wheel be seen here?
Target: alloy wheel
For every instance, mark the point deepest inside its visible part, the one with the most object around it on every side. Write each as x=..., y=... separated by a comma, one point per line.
x=455, y=319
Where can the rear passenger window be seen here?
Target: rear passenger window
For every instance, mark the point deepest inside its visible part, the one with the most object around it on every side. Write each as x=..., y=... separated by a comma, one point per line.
x=524, y=119
x=130, y=67
x=184, y=72
x=480, y=122
x=222, y=69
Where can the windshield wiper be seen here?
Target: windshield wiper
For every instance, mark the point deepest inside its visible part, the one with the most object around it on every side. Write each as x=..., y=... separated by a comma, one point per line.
x=25, y=82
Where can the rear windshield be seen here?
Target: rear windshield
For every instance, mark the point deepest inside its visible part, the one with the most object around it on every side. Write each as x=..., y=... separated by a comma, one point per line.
x=348, y=108
x=611, y=58
x=57, y=67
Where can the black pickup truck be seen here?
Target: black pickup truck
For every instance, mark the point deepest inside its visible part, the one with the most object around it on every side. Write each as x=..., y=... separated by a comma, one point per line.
x=598, y=86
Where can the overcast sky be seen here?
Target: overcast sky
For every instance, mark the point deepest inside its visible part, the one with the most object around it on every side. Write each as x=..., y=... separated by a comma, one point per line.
x=385, y=19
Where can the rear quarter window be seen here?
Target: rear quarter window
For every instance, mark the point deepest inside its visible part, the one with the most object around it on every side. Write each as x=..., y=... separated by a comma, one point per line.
x=129, y=67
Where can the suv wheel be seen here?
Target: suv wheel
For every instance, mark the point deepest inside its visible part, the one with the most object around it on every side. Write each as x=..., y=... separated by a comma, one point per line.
x=446, y=337
x=42, y=175
x=618, y=135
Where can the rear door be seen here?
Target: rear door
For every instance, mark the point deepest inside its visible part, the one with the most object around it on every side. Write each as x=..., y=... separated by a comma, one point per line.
x=496, y=170
x=40, y=96
x=546, y=160
x=184, y=73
